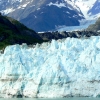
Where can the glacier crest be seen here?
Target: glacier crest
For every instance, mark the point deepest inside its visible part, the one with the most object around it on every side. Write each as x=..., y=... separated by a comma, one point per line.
x=62, y=68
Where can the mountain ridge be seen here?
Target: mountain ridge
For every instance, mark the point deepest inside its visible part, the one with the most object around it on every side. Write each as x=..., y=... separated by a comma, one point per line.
x=48, y=15
x=35, y=12
x=95, y=27
x=13, y=32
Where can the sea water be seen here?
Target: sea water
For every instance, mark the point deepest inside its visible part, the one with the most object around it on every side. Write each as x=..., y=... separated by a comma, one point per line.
x=80, y=98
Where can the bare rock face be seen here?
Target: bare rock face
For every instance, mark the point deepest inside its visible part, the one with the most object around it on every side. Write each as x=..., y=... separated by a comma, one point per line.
x=48, y=36
x=95, y=27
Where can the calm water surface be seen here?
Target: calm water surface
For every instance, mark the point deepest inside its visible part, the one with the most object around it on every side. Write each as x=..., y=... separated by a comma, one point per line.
x=53, y=99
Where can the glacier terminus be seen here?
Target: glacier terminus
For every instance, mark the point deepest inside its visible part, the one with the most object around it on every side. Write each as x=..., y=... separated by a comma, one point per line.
x=62, y=68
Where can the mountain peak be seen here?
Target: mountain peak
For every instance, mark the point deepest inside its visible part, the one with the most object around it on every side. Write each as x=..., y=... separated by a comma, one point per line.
x=45, y=15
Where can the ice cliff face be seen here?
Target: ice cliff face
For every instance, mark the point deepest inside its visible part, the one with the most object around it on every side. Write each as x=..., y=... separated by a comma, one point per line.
x=62, y=68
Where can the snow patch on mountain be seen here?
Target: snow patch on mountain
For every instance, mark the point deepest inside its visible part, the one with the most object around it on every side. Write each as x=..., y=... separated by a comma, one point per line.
x=95, y=10
x=57, y=4
x=62, y=68
x=7, y=11
x=85, y=6
x=23, y=6
x=73, y=5
x=13, y=1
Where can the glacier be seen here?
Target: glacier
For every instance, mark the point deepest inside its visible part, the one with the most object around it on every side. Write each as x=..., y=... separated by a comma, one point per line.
x=62, y=68
x=84, y=24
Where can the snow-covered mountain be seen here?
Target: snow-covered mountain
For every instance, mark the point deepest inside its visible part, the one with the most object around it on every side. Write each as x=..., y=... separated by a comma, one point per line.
x=95, y=10
x=91, y=12
x=43, y=15
x=84, y=5
x=8, y=6
x=89, y=8
x=62, y=68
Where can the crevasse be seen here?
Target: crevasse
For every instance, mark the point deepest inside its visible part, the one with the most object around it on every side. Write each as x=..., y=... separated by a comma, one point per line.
x=62, y=68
